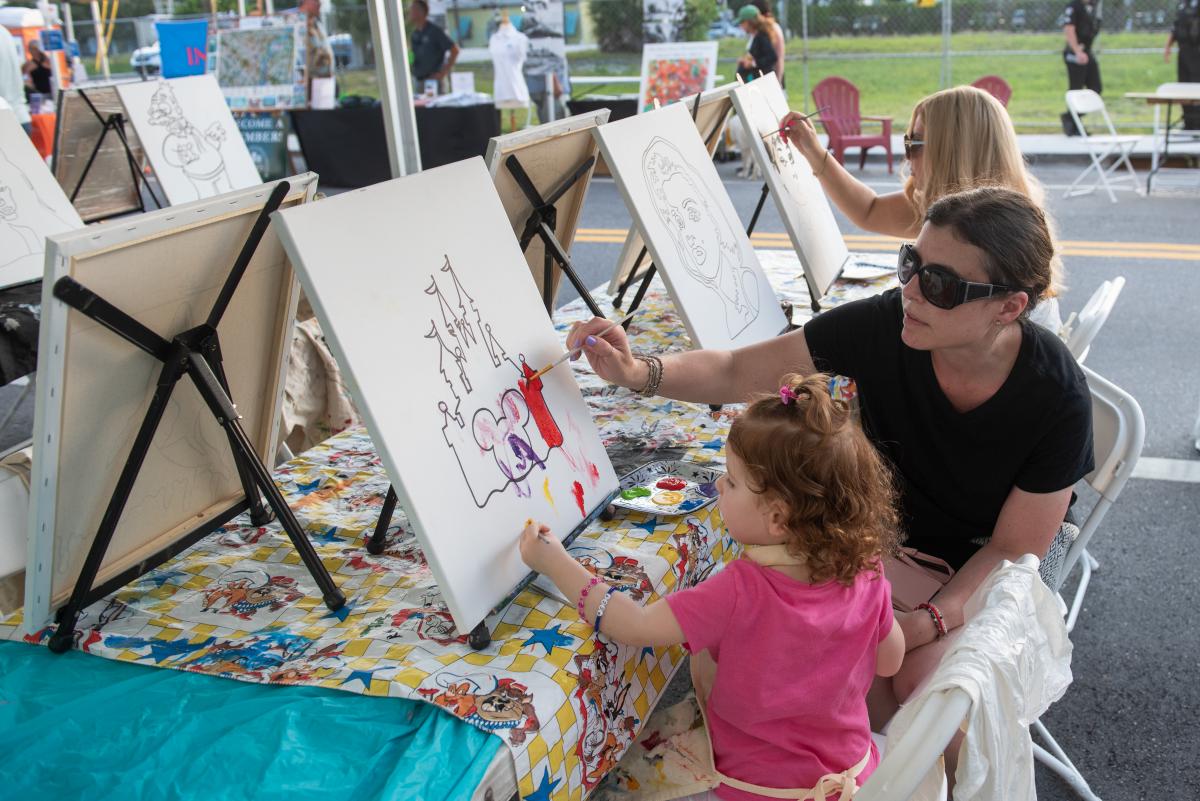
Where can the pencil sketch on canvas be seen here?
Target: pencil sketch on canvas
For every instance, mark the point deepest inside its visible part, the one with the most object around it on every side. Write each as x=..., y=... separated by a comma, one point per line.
x=703, y=236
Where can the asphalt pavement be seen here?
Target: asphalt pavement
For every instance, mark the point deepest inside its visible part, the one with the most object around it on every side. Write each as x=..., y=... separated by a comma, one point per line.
x=1129, y=719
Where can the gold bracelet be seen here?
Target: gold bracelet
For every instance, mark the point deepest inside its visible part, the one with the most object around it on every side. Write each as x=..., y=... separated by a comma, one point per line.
x=824, y=163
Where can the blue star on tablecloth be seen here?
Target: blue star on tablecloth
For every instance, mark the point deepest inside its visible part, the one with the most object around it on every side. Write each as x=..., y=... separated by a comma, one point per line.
x=341, y=614
x=545, y=788
x=311, y=487
x=549, y=638
x=648, y=525
x=327, y=537
x=365, y=676
x=714, y=444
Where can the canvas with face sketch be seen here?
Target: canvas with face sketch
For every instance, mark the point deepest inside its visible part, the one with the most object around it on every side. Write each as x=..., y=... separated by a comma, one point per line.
x=798, y=195
x=32, y=205
x=439, y=335
x=710, y=120
x=691, y=229
x=190, y=137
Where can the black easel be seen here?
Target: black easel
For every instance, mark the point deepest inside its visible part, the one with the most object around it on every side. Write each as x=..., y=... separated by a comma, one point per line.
x=648, y=276
x=542, y=221
x=114, y=122
x=195, y=353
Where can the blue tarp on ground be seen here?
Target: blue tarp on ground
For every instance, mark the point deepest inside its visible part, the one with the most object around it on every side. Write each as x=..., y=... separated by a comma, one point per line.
x=77, y=726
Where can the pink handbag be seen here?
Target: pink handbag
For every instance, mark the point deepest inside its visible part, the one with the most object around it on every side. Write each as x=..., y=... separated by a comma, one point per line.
x=915, y=577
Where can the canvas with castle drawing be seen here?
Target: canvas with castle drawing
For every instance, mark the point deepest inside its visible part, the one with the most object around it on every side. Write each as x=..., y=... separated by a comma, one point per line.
x=439, y=334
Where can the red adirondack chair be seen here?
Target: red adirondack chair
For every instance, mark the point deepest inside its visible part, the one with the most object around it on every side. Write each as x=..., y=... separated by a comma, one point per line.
x=995, y=86
x=843, y=122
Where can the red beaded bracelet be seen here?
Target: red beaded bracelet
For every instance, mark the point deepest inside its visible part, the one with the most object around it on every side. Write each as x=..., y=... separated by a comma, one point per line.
x=938, y=622
x=584, y=594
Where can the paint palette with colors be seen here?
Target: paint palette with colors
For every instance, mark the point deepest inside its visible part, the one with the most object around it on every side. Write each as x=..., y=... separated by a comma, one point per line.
x=668, y=488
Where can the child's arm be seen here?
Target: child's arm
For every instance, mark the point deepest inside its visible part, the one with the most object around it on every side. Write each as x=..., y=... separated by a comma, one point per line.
x=624, y=621
x=891, y=652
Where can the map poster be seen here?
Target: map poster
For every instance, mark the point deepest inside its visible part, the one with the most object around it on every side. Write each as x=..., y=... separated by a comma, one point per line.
x=261, y=69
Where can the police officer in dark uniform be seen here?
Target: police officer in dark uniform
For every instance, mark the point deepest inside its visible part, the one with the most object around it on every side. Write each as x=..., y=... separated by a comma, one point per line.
x=1081, y=25
x=1186, y=33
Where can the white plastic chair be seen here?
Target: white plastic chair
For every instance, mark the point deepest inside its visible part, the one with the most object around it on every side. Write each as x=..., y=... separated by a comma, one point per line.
x=905, y=762
x=1118, y=433
x=1101, y=148
x=1080, y=329
x=924, y=727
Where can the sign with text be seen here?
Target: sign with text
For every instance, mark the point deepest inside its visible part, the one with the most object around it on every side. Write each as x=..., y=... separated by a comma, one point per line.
x=265, y=134
x=183, y=47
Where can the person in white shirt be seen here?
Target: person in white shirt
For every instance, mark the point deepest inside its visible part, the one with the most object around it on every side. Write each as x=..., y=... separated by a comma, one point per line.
x=12, y=83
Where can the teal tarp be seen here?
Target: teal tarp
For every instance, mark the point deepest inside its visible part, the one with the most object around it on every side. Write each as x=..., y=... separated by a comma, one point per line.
x=78, y=726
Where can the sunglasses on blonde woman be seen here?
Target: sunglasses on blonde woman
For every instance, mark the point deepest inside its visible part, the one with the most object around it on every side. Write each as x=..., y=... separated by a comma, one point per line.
x=912, y=146
x=939, y=285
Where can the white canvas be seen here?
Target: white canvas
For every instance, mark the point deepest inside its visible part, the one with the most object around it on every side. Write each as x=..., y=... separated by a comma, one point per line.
x=710, y=120
x=673, y=71
x=164, y=268
x=434, y=330
x=691, y=229
x=32, y=205
x=189, y=136
x=798, y=195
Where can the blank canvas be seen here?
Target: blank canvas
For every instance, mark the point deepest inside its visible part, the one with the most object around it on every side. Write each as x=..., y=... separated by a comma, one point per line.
x=190, y=137
x=429, y=307
x=109, y=187
x=32, y=205
x=710, y=121
x=802, y=204
x=165, y=269
x=691, y=229
x=549, y=154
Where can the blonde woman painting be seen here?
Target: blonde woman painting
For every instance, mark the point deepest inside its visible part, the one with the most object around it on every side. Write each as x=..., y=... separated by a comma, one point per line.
x=957, y=139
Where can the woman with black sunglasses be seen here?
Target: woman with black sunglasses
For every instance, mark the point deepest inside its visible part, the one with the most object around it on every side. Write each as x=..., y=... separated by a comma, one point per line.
x=985, y=416
x=957, y=139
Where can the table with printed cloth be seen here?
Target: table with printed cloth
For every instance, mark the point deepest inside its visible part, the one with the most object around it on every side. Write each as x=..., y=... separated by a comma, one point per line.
x=565, y=703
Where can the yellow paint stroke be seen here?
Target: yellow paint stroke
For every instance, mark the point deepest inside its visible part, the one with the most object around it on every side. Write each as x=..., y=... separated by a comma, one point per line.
x=546, y=492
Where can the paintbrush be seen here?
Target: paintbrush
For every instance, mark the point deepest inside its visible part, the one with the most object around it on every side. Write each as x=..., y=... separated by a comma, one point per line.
x=805, y=117
x=576, y=351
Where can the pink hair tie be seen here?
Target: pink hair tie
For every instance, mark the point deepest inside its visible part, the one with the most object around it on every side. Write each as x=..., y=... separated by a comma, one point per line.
x=787, y=395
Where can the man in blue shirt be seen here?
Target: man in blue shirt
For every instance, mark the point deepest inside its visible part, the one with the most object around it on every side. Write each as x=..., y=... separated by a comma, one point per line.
x=433, y=52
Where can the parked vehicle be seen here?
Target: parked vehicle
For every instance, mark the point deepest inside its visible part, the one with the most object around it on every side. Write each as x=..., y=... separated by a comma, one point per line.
x=147, y=61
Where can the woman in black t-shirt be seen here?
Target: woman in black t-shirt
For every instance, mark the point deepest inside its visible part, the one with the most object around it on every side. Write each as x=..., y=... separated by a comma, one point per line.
x=37, y=69
x=985, y=416
x=761, y=56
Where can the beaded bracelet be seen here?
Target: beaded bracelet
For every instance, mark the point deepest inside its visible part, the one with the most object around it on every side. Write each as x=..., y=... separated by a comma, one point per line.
x=584, y=594
x=938, y=623
x=655, y=367
x=603, y=605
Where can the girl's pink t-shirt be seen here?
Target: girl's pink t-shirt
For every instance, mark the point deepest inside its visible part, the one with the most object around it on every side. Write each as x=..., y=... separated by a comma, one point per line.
x=794, y=662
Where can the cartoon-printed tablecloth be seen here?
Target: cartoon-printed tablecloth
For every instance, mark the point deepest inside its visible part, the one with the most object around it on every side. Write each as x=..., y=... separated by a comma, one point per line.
x=239, y=603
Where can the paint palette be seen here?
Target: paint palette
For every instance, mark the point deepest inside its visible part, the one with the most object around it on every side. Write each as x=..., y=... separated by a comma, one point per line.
x=668, y=488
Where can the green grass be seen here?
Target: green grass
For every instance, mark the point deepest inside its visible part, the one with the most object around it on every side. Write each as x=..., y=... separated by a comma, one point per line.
x=891, y=86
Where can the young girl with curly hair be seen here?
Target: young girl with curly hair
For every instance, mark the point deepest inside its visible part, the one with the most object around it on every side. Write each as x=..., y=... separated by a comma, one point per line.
x=786, y=641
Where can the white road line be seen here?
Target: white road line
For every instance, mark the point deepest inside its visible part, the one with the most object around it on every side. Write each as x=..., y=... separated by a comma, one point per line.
x=1153, y=467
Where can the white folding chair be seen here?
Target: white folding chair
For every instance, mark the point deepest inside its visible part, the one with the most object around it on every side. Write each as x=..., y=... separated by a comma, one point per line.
x=1118, y=432
x=1101, y=148
x=1012, y=598
x=1080, y=329
x=906, y=762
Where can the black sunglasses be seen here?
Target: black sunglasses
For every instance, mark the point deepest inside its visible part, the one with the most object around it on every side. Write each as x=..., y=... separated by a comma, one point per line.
x=911, y=146
x=939, y=285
